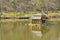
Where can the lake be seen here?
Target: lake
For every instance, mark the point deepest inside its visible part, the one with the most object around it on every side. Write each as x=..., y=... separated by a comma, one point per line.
x=12, y=29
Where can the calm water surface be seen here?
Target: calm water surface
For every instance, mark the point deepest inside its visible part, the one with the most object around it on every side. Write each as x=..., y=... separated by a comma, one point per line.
x=19, y=30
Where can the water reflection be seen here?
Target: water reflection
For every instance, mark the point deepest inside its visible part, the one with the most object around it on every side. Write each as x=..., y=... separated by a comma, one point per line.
x=19, y=30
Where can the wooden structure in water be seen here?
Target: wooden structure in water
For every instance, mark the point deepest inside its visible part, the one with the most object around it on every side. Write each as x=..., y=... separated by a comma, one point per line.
x=37, y=20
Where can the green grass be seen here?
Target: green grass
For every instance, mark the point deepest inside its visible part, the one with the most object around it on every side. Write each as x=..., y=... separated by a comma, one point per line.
x=15, y=14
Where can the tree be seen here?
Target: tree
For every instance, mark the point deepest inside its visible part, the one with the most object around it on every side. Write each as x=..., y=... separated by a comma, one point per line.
x=49, y=5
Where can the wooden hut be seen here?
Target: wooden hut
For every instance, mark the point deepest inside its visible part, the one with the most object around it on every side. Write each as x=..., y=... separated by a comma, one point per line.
x=36, y=22
x=36, y=19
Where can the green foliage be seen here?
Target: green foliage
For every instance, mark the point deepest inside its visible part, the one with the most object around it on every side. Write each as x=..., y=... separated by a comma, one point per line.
x=12, y=1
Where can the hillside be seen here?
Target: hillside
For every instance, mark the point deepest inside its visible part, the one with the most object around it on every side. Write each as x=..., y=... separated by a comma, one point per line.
x=29, y=5
x=17, y=5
